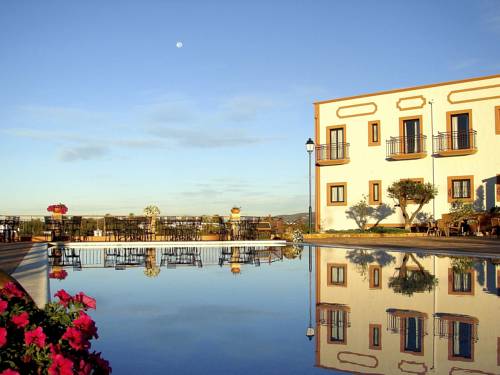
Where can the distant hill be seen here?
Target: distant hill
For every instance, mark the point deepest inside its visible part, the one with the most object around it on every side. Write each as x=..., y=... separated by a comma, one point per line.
x=292, y=218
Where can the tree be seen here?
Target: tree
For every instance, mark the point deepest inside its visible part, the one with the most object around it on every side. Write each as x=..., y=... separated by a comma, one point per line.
x=360, y=212
x=409, y=282
x=408, y=191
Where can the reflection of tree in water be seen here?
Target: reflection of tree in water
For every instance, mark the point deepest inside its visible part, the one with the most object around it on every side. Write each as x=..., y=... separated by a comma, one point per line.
x=461, y=264
x=151, y=269
x=412, y=281
x=292, y=252
x=363, y=258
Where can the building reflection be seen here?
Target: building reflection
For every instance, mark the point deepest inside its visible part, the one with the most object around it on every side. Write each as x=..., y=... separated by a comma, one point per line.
x=382, y=312
x=153, y=259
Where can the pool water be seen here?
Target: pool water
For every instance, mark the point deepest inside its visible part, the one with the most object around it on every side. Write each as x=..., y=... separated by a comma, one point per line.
x=246, y=310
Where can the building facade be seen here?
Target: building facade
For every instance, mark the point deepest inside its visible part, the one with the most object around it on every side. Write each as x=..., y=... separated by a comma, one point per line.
x=365, y=326
x=447, y=134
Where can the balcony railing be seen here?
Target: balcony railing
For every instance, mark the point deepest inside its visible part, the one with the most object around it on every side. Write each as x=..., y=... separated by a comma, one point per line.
x=455, y=143
x=332, y=153
x=406, y=147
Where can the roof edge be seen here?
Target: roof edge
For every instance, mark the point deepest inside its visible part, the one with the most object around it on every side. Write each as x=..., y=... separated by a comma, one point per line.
x=407, y=89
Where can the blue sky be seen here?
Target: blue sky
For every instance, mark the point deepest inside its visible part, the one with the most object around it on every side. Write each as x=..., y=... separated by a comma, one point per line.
x=101, y=111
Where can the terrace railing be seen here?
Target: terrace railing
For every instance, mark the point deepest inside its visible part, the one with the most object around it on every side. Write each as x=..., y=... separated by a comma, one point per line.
x=455, y=143
x=332, y=153
x=406, y=147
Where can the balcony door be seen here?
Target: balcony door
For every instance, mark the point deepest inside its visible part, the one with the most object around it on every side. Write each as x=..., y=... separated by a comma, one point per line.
x=337, y=143
x=460, y=131
x=411, y=134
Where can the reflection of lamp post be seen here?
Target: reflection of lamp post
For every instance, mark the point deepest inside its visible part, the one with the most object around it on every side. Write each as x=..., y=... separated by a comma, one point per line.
x=310, y=149
x=310, y=329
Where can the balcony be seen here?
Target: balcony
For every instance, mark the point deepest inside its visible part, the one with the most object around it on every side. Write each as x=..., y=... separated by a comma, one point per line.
x=405, y=148
x=332, y=154
x=455, y=143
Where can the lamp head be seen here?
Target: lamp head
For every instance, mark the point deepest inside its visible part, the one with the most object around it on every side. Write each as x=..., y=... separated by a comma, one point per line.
x=310, y=145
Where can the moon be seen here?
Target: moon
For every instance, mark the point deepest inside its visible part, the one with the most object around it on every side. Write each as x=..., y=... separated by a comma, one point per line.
x=179, y=44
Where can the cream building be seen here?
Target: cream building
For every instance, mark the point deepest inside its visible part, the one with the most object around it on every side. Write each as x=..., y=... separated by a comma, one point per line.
x=446, y=133
x=365, y=327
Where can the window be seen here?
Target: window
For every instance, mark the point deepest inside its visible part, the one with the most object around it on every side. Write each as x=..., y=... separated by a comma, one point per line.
x=375, y=190
x=375, y=336
x=337, y=323
x=410, y=131
x=460, y=282
x=336, y=138
x=337, y=274
x=374, y=133
x=459, y=127
x=461, y=345
x=337, y=194
x=413, y=334
x=497, y=119
x=461, y=188
x=375, y=277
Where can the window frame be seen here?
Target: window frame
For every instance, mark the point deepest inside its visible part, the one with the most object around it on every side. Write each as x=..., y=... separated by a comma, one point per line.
x=371, y=329
x=402, y=121
x=344, y=327
x=329, y=187
x=451, y=283
x=329, y=274
x=371, y=195
x=329, y=143
x=371, y=141
x=371, y=271
x=451, y=330
x=451, y=179
x=421, y=336
x=449, y=128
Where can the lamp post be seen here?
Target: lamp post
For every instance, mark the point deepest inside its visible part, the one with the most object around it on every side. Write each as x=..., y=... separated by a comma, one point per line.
x=310, y=149
x=310, y=329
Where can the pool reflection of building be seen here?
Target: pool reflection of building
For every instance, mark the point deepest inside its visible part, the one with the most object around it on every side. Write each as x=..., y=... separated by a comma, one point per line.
x=364, y=326
x=171, y=257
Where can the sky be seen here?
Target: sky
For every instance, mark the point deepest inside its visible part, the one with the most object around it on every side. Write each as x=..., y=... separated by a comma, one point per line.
x=101, y=111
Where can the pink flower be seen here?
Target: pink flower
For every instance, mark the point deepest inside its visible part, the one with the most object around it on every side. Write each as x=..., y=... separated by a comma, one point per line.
x=3, y=336
x=86, y=325
x=11, y=290
x=64, y=297
x=60, y=365
x=84, y=368
x=3, y=306
x=36, y=337
x=75, y=338
x=20, y=320
x=9, y=372
x=87, y=301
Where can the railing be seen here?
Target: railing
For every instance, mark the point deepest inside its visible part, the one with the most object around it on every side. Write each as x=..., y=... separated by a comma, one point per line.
x=332, y=151
x=405, y=146
x=451, y=141
x=135, y=228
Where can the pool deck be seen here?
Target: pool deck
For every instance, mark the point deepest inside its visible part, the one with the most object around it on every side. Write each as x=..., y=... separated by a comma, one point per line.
x=466, y=245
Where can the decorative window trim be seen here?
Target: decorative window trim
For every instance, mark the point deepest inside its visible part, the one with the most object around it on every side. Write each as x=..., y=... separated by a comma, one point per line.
x=329, y=194
x=449, y=114
x=371, y=269
x=371, y=196
x=329, y=274
x=371, y=142
x=451, y=356
x=450, y=188
x=328, y=128
x=370, y=337
x=403, y=331
x=416, y=117
x=451, y=282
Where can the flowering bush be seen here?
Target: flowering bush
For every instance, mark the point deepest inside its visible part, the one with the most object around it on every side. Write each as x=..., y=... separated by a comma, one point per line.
x=58, y=208
x=58, y=274
x=297, y=236
x=54, y=340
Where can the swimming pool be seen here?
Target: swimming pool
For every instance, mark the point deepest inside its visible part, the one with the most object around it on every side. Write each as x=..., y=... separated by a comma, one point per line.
x=242, y=310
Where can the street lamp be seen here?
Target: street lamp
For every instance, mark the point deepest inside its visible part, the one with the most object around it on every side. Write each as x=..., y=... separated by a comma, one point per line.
x=310, y=149
x=310, y=329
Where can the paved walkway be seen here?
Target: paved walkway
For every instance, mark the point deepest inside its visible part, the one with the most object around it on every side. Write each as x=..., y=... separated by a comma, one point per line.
x=441, y=244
